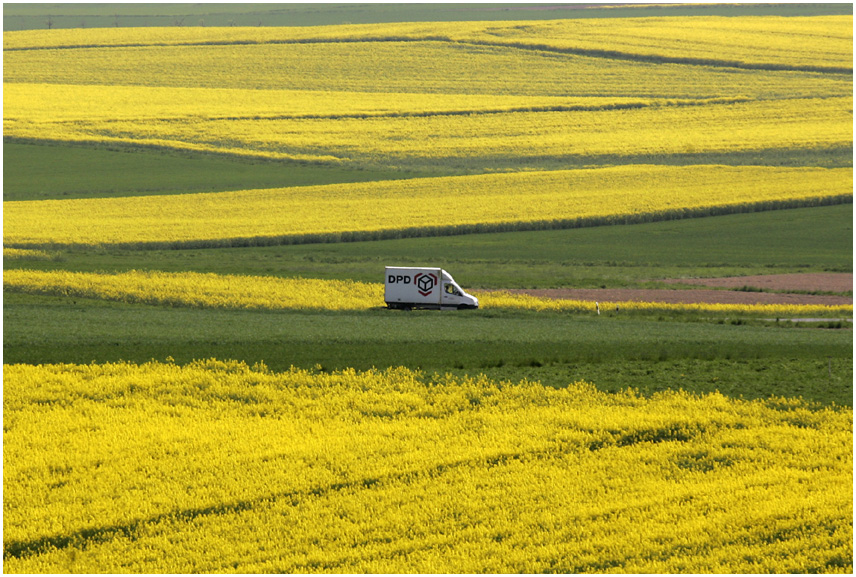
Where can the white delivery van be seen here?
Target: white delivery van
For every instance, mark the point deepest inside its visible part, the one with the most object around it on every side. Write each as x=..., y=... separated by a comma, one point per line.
x=425, y=288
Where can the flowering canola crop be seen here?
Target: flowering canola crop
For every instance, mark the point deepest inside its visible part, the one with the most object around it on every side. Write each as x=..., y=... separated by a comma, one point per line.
x=219, y=467
x=188, y=289
x=418, y=131
x=416, y=207
x=403, y=96
x=26, y=254
x=824, y=42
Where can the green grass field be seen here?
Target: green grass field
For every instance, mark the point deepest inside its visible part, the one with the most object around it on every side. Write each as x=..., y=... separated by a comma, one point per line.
x=44, y=172
x=751, y=359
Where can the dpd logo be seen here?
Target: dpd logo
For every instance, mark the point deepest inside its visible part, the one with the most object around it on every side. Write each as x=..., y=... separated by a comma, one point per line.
x=425, y=283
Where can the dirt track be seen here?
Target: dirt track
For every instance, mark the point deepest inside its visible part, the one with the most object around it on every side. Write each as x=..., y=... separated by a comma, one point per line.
x=833, y=282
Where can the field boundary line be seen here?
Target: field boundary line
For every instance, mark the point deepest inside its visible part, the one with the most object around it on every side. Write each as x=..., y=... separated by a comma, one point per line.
x=664, y=59
x=662, y=103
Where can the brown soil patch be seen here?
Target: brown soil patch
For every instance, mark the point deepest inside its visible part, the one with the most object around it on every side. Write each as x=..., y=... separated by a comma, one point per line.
x=686, y=296
x=823, y=282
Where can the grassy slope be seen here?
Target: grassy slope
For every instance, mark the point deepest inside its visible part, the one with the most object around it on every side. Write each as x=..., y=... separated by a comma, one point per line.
x=42, y=172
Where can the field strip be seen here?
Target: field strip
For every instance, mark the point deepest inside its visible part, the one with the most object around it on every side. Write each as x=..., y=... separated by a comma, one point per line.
x=470, y=133
x=588, y=302
x=700, y=295
x=27, y=254
x=187, y=289
x=343, y=471
x=671, y=59
x=832, y=282
x=798, y=43
x=42, y=103
x=75, y=103
x=197, y=290
x=423, y=207
x=535, y=47
x=398, y=69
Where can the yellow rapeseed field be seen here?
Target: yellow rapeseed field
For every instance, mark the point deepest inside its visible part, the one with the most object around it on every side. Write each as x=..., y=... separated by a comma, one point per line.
x=499, y=299
x=404, y=96
x=818, y=41
x=220, y=467
x=26, y=254
x=43, y=103
x=189, y=289
x=216, y=466
x=425, y=205
x=405, y=67
x=821, y=42
x=406, y=131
